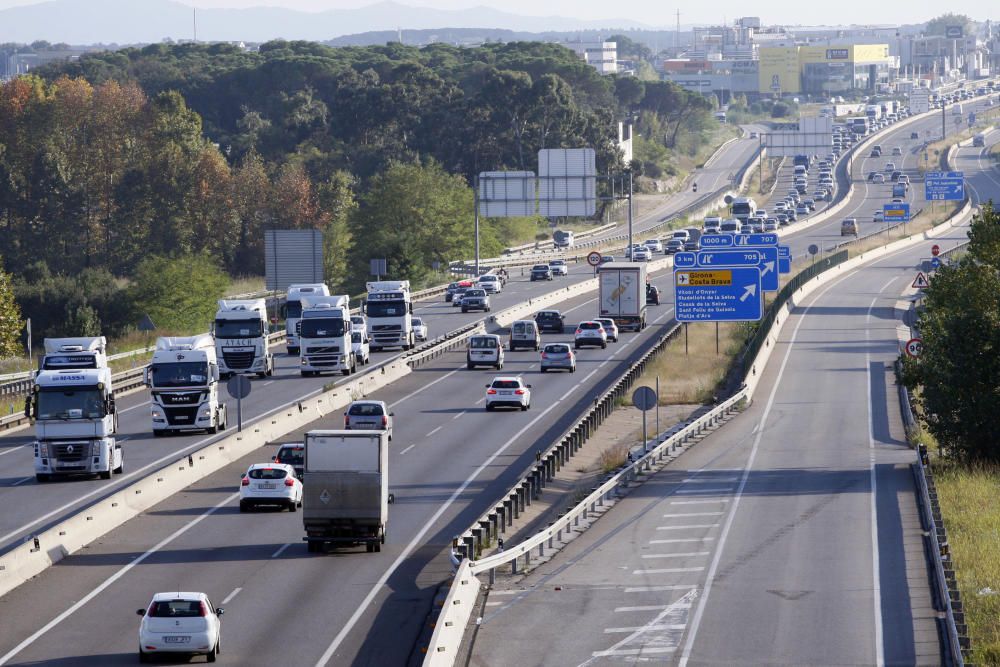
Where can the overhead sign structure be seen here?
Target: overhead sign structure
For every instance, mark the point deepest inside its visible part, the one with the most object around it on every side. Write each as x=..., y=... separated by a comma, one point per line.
x=292, y=256
x=944, y=186
x=766, y=239
x=896, y=212
x=567, y=182
x=716, y=241
x=914, y=347
x=920, y=282
x=710, y=258
x=920, y=100
x=505, y=194
x=718, y=295
x=813, y=137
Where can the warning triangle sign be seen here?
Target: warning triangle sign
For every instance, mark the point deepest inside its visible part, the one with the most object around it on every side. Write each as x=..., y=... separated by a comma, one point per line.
x=920, y=282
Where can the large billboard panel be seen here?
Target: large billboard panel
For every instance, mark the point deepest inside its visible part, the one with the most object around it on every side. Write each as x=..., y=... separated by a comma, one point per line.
x=779, y=70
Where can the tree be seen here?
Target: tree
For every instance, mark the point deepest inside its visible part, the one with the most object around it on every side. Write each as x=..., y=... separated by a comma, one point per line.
x=178, y=293
x=11, y=323
x=958, y=371
x=937, y=25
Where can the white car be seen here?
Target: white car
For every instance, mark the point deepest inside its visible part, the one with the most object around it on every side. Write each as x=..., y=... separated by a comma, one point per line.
x=270, y=484
x=590, y=332
x=681, y=234
x=361, y=346
x=419, y=329
x=559, y=267
x=508, y=391
x=180, y=623
x=654, y=245
x=359, y=323
x=641, y=254
x=490, y=283
x=610, y=328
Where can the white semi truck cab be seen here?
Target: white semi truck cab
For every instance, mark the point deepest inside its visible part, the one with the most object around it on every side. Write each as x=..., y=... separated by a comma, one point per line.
x=293, y=310
x=325, y=335
x=183, y=381
x=390, y=314
x=73, y=406
x=240, y=330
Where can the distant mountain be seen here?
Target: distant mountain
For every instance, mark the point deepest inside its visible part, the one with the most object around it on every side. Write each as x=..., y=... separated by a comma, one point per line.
x=145, y=21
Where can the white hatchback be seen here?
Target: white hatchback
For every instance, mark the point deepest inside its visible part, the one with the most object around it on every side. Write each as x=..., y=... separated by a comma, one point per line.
x=590, y=333
x=419, y=329
x=508, y=391
x=559, y=267
x=610, y=328
x=270, y=484
x=180, y=623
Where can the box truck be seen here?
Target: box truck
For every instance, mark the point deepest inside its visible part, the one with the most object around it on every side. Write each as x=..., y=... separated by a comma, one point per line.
x=622, y=294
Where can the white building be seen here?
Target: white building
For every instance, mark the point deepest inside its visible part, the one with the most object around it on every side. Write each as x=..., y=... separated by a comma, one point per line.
x=602, y=56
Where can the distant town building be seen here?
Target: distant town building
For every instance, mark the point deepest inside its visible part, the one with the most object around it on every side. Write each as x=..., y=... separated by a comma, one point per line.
x=601, y=55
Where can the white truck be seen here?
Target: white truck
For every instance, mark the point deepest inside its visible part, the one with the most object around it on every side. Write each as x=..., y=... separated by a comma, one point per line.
x=240, y=331
x=183, y=381
x=622, y=294
x=293, y=311
x=744, y=208
x=325, y=336
x=73, y=405
x=390, y=314
x=345, y=484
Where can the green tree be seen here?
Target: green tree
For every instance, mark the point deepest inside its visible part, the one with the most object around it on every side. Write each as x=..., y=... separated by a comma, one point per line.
x=11, y=323
x=937, y=25
x=178, y=293
x=958, y=371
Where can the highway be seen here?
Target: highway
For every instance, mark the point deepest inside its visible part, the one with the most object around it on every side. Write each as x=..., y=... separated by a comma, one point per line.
x=445, y=468
x=790, y=536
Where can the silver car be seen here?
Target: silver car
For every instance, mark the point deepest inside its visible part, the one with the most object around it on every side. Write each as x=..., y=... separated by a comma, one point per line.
x=368, y=416
x=610, y=328
x=556, y=356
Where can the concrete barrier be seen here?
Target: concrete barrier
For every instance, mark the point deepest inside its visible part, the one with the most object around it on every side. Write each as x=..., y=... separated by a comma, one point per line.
x=450, y=625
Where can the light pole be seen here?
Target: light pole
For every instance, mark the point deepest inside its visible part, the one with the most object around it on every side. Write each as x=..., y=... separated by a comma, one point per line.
x=630, y=212
x=475, y=199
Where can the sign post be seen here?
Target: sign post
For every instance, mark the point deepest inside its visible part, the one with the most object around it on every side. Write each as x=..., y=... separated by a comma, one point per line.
x=645, y=399
x=239, y=388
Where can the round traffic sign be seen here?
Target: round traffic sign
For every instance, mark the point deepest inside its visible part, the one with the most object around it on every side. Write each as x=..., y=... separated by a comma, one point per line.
x=935, y=250
x=593, y=258
x=914, y=347
x=238, y=386
x=813, y=249
x=644, y=398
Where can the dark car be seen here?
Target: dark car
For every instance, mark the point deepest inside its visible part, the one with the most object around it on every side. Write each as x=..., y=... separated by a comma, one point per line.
x=293, y=454
x=871, y=176
x=541, y=272
x=895, y=176
x=449, y=293
x=549, y=320
x=652, y=295
x=914, y=135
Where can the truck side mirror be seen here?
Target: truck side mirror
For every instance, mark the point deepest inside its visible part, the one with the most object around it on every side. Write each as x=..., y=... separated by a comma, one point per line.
x=215, y=372
x=146, y=378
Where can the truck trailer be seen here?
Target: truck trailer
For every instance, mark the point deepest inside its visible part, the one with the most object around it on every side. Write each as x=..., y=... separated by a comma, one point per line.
x=622, y=294
x=345, y=489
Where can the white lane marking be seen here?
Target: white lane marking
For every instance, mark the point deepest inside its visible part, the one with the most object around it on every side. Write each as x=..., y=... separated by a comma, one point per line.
x=714, y=489
x=713, y=568
x=139, y=405
x=649, y=607
x=659, y=589
x=580, y=306
x=481, y=400
x=683, y=603
x=435, y=431
x=115, y=577
x=634, y=651
x=698, y=525
x=492, y=593
x=407, y=449
x=669, y=570
x=405, y=553
x=689, y=554
x=264, y=384
x=709, y=480
x=648, y=628
x=423, y=388
x=13, y=449
x=281, y=550
x=228, y=598
x=495, y=603
x=20, y=481
x=876, y=579
x=673, y=516
x=682, y=539
x=459, y=415
x=173, y=456
x=699, y=502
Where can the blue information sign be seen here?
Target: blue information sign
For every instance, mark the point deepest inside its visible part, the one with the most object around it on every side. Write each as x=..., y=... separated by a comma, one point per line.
x=784, y=265
x=710, y=258
x=731, y=294
x=768, y=268
x=685, y=259
x=785, y=251
x=935, y=263
x=944, y=186
x=769, y=238
x=716, y=240
x=896, y=212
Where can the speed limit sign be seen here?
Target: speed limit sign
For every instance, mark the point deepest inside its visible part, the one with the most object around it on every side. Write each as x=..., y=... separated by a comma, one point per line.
x=594, y=258
x=914, y=347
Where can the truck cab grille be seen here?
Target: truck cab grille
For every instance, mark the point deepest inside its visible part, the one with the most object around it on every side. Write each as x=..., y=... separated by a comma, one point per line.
x=238, y=360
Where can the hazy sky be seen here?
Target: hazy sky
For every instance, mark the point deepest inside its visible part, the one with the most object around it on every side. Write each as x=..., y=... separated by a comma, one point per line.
x=660, y=13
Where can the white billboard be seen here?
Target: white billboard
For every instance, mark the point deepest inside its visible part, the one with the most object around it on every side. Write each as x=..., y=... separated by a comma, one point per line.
x=920, y=100
x=567, y=182
x=506, y=194
x=292, y=256
x=813, y=137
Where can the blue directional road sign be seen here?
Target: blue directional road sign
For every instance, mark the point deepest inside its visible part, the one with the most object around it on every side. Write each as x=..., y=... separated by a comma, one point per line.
x=730, y=294
x=768, y=238
x=935, y=263
x=716, y=240
x=944, y=186
x=768, y=268
x=896, y=212
x=685, y=259
x=784, y=259
x=710, y=258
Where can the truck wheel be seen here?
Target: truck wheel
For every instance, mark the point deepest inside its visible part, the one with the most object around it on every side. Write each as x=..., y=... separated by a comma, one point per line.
x=464, y=309
x=311, y=547
x=212, y=430
x=105, y=474
x=369, y=547
x=41, y=478
x=121, y=466
x=262, y=374
x=378, y=546
x=222, y=421
x=270, y=368
x=158, y=433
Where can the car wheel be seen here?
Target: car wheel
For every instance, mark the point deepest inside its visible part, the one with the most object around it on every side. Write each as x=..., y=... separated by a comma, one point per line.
x=469, y=366
x=464, y=309
x=603, y=345
x=544, y=369
x=576, y=346
x=143, y=657
x=293, y=505
x=312, y=547
x=244, y=506
x=572, y=369
x=214, y=653
x=524, y=408
x=489, y=407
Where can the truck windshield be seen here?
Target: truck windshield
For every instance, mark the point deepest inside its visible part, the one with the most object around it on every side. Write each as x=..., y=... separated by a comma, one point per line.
x=70, y=403
x=180, y=374
x=322, y=327
x=57, y=361
x=237, y=328
x=386, y=308
x=293, y=309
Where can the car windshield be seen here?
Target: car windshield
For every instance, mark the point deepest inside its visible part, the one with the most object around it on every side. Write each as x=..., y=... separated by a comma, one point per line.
x=548, y=315
x=540, y=267
x=557, y=262
x=589, y=325
x=556, y=349
x=482, y=343
x=607, y=324
x=267, y=473
x=175, y=609
x=76, y=403
x=417, y=322
x=356, y=337
x=238, y=328
x=475, y=292
x=506, y=384
x=322, y=328
x=290, y=455
x=366, y=410
x=180, y=374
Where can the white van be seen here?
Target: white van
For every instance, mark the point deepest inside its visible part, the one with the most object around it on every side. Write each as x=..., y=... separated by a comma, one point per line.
x=712, y=225
x=524, y=334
